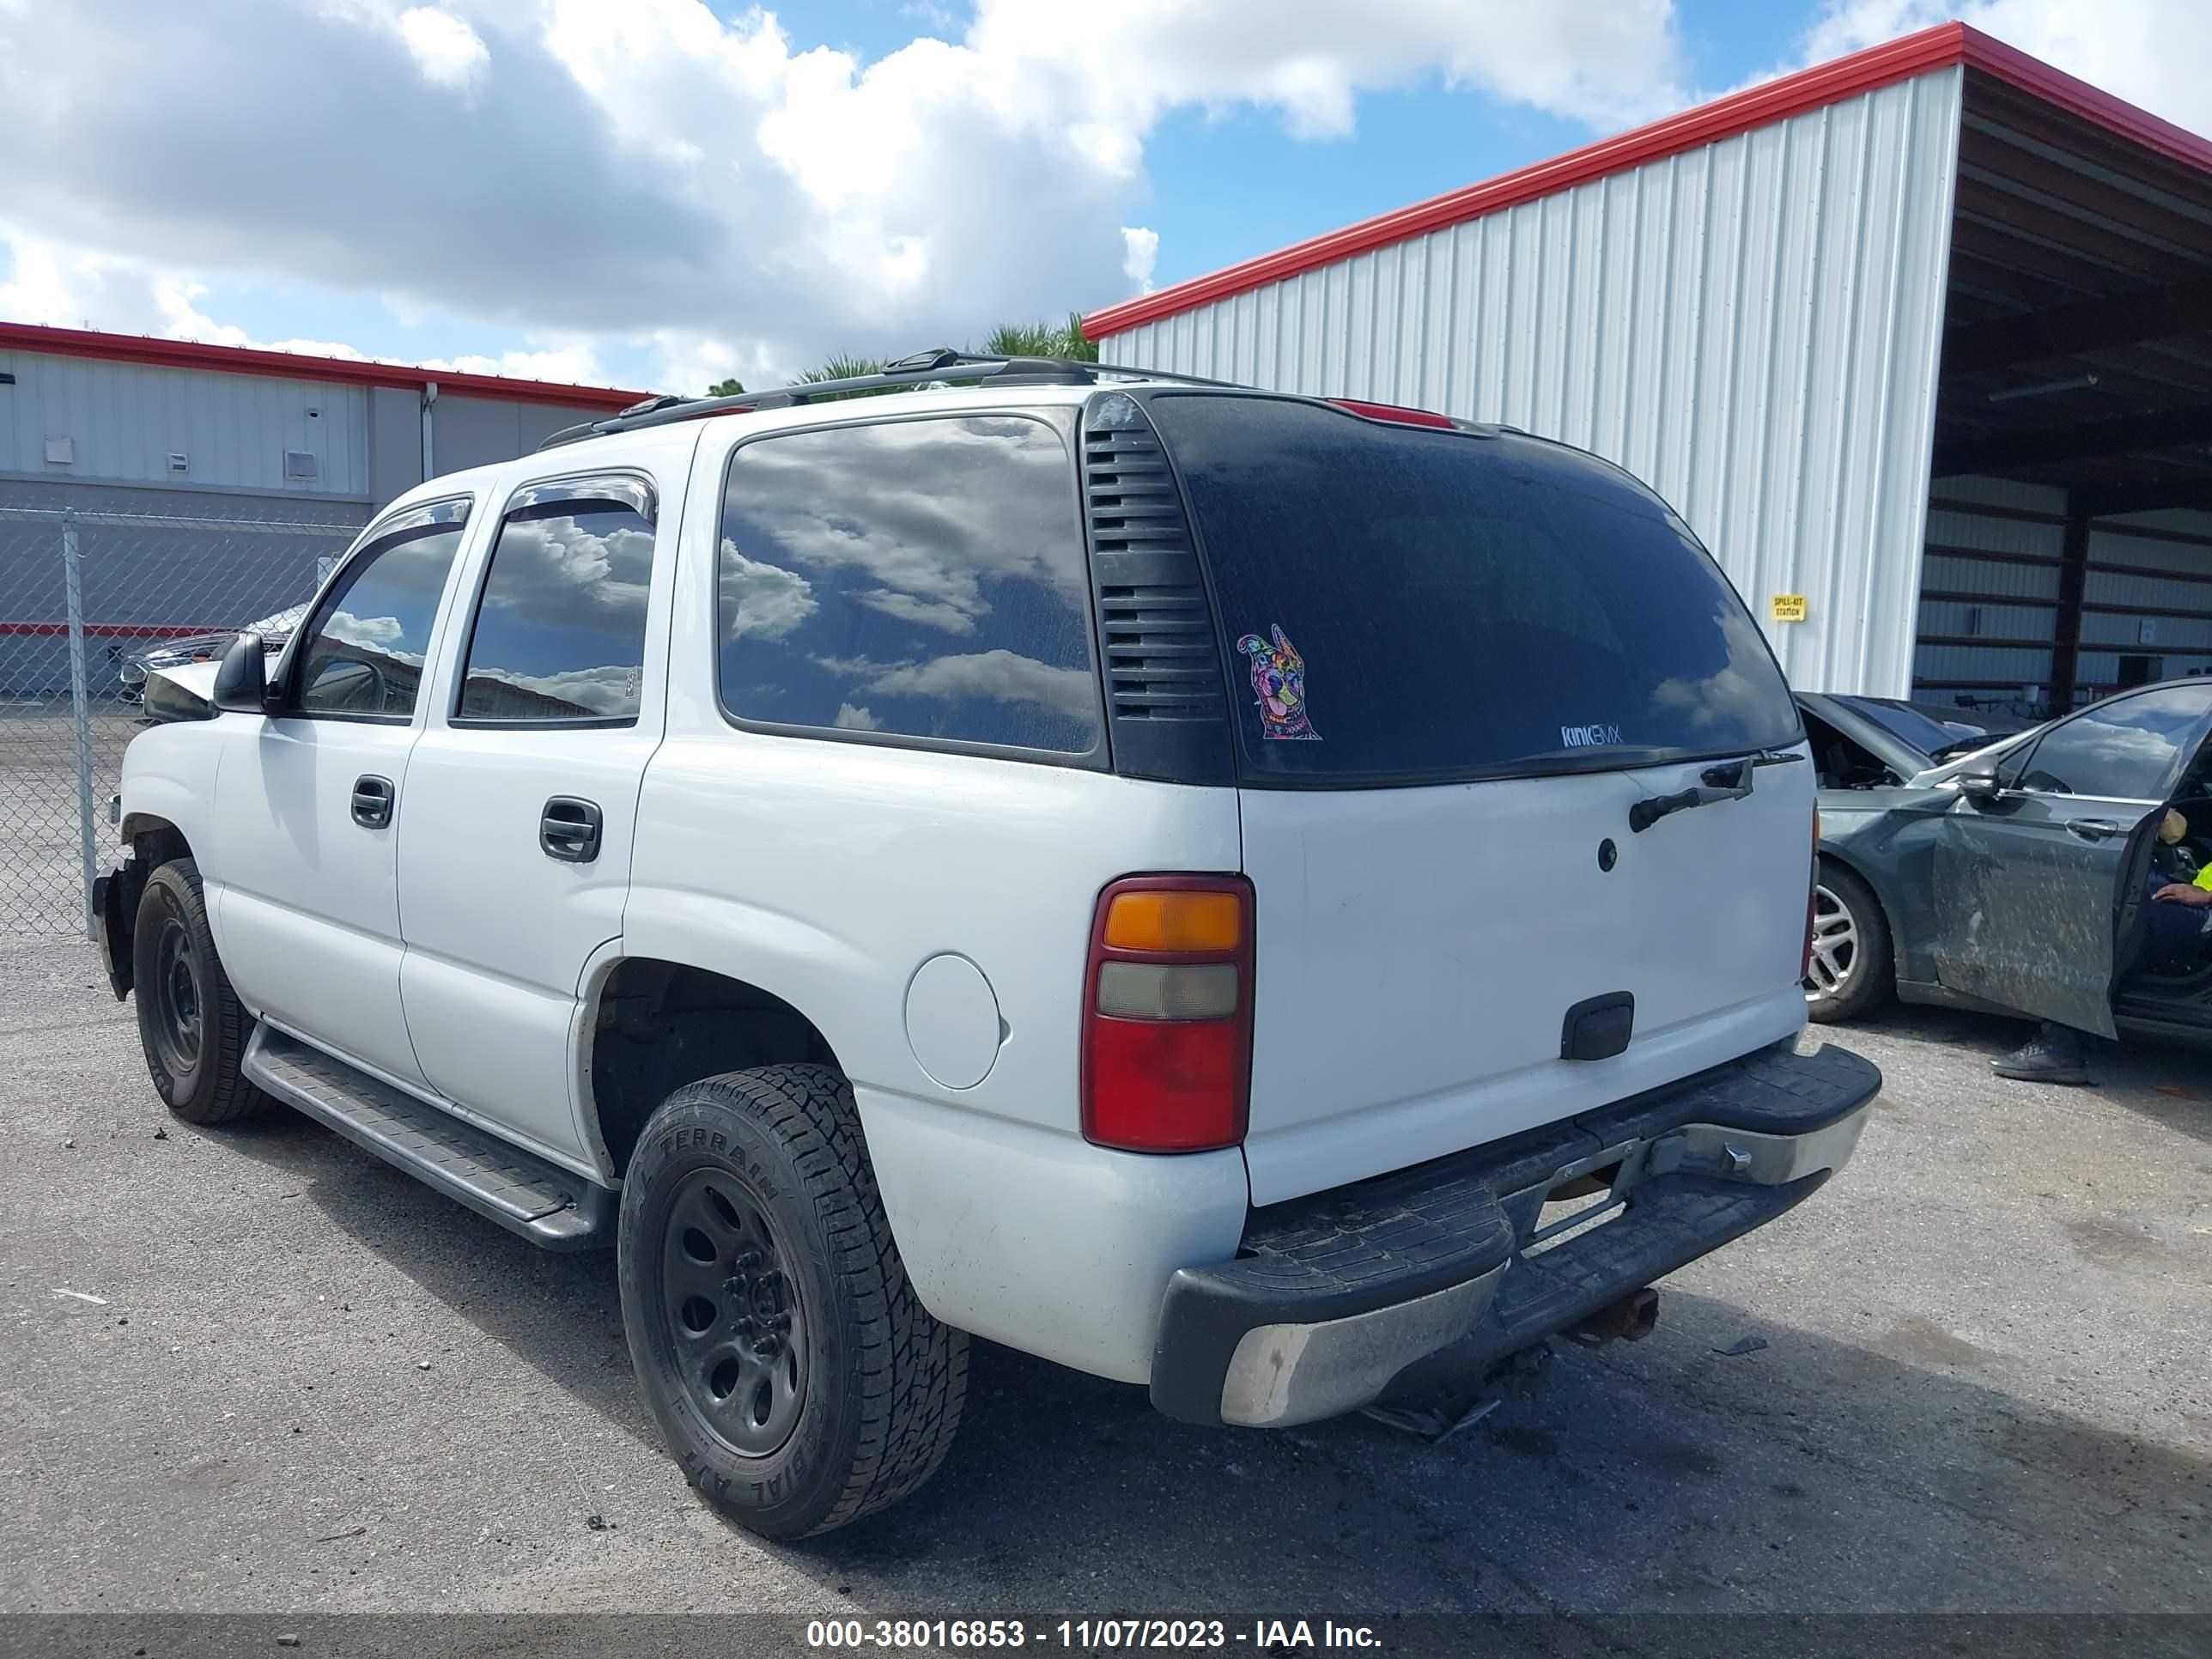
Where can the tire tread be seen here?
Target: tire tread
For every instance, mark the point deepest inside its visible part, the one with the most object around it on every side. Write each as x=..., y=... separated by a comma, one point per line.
x=229, y=1027
x=909, y=1381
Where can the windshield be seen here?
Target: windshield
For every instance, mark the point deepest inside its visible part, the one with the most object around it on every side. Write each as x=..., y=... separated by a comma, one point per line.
x=1407, y=604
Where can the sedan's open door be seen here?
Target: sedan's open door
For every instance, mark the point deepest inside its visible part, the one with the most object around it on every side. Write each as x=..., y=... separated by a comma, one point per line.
x=2029, y=889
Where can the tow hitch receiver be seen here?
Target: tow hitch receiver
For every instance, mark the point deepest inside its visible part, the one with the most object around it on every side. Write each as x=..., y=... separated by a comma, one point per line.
x=1629, y=1319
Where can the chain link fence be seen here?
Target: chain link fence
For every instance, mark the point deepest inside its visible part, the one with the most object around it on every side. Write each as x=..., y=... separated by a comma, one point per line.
x=88, y=602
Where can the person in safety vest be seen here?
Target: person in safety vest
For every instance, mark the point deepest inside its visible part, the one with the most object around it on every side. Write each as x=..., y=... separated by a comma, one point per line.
x=2177, y=933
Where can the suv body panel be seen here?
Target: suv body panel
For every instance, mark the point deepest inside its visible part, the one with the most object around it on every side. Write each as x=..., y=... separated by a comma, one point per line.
x=1420, y=949
x=832, y=873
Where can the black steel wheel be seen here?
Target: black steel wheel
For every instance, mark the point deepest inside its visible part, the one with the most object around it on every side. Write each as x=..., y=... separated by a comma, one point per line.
x=797, y=1378
x=190, y=1024
x=734, y=1314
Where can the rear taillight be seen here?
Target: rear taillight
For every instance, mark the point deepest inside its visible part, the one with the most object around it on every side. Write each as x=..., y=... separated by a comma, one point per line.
x=1812, y=898
x=1167, y=1014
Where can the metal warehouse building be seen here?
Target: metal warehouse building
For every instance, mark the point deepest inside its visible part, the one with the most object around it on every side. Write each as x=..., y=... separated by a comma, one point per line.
x=175, y=460
x=1919, y=342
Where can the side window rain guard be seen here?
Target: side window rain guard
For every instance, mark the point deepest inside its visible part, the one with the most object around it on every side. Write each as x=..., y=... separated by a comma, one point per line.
x=616, y=489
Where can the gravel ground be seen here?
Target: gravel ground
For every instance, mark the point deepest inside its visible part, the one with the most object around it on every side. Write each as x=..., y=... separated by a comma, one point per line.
x=308, y=1384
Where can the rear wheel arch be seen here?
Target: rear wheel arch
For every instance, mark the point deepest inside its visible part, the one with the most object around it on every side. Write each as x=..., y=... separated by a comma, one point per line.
x=651, y=1025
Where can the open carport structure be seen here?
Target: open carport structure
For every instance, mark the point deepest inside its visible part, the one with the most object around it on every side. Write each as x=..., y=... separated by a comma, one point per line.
x=1918, y=341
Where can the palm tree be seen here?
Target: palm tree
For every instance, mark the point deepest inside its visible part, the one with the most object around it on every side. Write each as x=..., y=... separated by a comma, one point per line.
x=731, y=388
x=1037, y=339
x=1042, y=339
x=846, y=366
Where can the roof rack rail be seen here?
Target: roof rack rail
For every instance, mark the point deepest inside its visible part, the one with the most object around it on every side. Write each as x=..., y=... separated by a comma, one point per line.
x=919, y=370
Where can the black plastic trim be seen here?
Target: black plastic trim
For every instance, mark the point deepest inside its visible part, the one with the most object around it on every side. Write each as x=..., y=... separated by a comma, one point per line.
x=1159, y=644
x=569, y=829
x=1598, y=1028
x=341, y=719
x=115, y=911
x=579, y=723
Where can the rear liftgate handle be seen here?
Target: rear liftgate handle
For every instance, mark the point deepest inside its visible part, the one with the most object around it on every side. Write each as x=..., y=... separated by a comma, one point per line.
x=569, y=829
x=1729, y=781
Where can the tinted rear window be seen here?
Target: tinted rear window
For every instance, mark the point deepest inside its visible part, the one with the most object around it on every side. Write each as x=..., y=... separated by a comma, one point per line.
x=1403, y=604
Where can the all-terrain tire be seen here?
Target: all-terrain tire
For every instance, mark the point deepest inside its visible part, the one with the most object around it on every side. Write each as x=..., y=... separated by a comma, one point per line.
x=190, y=1024
x=763, y=1175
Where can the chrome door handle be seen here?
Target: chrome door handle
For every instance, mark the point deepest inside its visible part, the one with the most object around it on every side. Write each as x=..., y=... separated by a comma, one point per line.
x=2092, y=828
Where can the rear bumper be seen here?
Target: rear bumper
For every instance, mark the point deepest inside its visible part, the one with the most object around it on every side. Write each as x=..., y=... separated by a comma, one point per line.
x=1333, y=1297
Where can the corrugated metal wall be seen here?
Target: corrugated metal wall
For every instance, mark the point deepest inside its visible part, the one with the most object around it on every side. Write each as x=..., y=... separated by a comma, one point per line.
x=1751, y=327
x=1989, y=604
x=124, y=419
x=1989, y=611
x=2147, y=594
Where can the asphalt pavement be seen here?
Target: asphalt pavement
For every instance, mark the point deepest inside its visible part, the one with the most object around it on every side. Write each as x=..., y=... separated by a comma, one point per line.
x=256, y=1370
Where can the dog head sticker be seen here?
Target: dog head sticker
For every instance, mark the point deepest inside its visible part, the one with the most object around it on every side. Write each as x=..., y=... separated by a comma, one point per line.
x=1278, y=685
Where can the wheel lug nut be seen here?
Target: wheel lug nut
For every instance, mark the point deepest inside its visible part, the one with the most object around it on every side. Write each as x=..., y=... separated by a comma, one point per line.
x=744, y=1325
x=748, y=1260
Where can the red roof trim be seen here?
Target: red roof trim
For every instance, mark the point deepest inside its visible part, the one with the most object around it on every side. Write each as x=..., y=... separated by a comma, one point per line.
x=294, y=365
x=1944, y=47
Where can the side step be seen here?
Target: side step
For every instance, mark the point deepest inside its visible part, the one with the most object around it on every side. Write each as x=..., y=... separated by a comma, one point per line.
x=546, y=1204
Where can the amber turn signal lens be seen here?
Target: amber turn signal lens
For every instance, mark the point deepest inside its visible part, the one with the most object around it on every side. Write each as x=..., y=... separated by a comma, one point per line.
x=1174, y=921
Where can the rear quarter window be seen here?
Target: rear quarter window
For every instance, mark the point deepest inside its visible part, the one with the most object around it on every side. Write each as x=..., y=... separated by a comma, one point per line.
x=919, y=579
x=1406, y=604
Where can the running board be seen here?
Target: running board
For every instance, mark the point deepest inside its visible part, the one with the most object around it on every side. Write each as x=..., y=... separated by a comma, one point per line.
x=525, y=1195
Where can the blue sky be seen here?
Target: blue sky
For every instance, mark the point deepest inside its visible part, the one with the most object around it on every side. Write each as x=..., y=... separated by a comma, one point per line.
x=651, y=193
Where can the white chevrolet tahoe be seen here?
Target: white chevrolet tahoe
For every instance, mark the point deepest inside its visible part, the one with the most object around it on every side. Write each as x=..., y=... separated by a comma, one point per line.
x=1189, y=881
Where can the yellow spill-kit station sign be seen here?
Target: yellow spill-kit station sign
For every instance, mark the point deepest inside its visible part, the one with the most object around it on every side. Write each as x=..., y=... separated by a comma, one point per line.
x=1789, y=607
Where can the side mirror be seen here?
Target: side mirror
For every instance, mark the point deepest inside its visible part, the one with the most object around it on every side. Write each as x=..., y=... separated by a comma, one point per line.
x=1980, y=787
x=241, y=684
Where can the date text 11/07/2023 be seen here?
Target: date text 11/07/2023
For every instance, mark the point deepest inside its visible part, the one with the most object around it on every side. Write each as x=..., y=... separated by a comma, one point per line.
x=1089, y=1635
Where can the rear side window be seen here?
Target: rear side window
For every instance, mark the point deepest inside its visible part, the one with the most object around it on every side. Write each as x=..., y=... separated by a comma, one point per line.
x=1405, y=604
x=922, y=578
x=560, y=631
x=2124, y=751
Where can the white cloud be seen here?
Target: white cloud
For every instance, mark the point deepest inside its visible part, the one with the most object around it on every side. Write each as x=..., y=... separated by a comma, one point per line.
x=718, y=193
x=2151, y=52
x=928, y=613
x=762, y=599
x=850, y=718
x=1142, y=252
x=365, y=630
x=448, y=52
x=997, y=675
